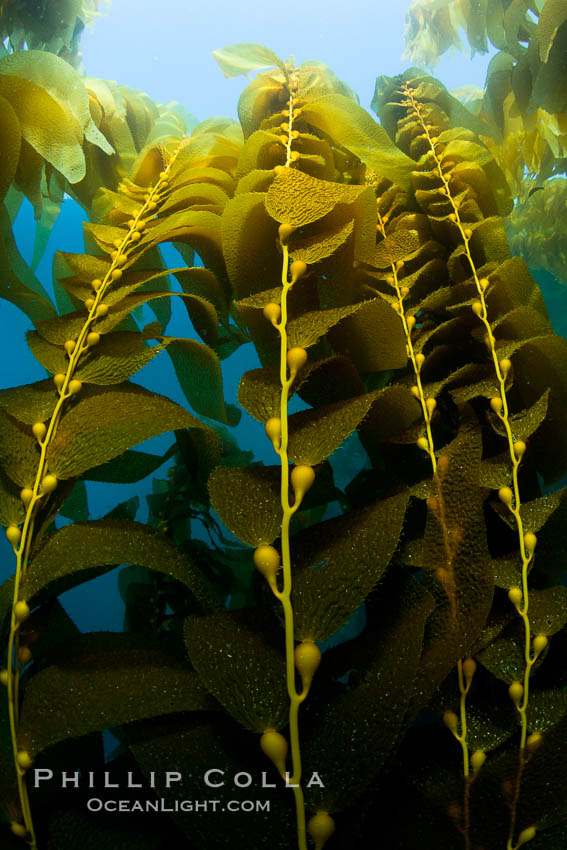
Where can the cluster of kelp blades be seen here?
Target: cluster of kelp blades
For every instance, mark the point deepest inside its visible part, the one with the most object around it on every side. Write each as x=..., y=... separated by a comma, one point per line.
x=51, y=25
x=402, y=326
x=522, y=109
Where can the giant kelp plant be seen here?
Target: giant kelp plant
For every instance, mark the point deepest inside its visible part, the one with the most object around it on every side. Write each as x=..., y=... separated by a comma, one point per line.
x=387, y=632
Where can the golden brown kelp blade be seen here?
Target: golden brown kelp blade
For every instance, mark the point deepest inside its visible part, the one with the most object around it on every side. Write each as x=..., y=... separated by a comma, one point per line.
x=533, y=231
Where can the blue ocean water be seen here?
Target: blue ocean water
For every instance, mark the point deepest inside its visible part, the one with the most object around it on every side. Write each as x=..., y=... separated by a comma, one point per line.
x=168, y=55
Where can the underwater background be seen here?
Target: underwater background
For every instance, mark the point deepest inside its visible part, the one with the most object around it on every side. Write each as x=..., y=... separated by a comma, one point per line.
x=426, y=646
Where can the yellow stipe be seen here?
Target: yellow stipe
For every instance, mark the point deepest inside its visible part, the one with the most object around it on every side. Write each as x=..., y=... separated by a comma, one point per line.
x=417, y=360
x=464, y=687
x=501, y=370
x=428, y=405
x=466, y=669
x=290, y=362
x=285, y=594
x=288, y=158
x=23, y=549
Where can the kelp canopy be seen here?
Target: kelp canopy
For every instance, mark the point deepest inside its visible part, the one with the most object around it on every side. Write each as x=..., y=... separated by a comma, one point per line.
x=523, y=107
x=51, y=25
x=387, y=613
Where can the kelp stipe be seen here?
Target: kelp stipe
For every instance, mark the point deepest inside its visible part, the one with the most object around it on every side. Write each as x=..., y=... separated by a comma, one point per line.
x=306, y=656
x=49, y=471
x=509, y=497
x=52, y=435
x=423, y=131
x=436, y=502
